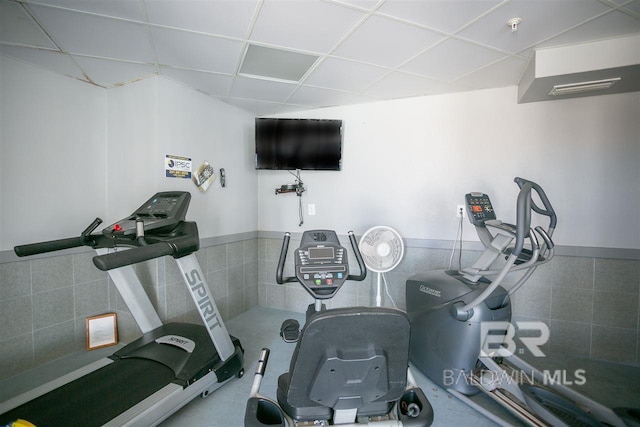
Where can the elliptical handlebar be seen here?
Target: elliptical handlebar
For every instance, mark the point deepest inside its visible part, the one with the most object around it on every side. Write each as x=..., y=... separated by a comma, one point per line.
x=524, y=206
x=523, y=217
x=548, y=209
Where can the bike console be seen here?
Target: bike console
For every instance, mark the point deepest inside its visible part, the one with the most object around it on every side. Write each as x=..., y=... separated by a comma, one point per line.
x=321, y=263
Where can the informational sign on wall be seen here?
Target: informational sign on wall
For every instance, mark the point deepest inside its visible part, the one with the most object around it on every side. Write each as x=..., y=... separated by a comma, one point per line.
x=177, y=166
x=204, y=176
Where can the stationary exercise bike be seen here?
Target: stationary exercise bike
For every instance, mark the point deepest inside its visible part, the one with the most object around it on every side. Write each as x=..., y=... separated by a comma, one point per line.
x=461, y=335
x=350, y=365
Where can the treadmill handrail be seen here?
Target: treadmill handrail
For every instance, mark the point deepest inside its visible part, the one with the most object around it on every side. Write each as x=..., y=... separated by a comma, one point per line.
x=132, y=256
x=50, y=246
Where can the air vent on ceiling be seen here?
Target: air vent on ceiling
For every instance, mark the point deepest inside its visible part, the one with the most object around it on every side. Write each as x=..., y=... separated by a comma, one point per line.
x=275, y=64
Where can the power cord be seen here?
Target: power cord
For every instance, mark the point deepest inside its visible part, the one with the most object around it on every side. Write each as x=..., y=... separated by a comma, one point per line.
x=457, y=239
x=386, y=288
x=299, y=190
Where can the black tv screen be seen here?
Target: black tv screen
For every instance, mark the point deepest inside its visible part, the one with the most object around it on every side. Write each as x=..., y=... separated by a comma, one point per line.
x=307, y=144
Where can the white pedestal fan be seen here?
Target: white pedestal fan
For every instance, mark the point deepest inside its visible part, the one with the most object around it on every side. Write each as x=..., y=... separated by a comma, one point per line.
x=382, y=250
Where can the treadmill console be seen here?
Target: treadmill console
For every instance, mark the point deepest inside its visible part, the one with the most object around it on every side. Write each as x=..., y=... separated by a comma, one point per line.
x=320, y=262
x=479, y=208
x=161, y=212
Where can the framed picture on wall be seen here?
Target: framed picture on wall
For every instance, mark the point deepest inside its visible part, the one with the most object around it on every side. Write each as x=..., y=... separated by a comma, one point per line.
x=102, y=331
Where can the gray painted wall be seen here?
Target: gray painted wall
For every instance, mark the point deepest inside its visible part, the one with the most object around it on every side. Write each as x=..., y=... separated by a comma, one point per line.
x=70, y=152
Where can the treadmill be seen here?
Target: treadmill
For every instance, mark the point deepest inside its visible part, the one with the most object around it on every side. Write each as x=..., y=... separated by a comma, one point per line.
x=149, y=379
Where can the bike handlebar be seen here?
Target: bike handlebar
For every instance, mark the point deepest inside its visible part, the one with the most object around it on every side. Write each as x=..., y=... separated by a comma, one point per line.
x=283, y=257
x=358, y=255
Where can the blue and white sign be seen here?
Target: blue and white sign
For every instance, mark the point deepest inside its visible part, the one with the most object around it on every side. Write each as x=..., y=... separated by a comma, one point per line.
x=177, y=166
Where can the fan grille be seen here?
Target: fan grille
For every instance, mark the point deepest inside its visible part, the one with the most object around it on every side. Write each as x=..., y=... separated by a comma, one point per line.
x=382, y=248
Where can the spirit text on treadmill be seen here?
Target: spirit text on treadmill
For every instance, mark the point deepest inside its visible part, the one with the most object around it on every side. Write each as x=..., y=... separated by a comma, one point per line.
x=200, y=291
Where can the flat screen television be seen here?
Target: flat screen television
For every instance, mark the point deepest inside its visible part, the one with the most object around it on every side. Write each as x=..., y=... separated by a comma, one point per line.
x=307, y=144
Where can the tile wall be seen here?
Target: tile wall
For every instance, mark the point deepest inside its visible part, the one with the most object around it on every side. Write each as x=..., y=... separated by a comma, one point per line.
x=44, y=302
x=591, y=305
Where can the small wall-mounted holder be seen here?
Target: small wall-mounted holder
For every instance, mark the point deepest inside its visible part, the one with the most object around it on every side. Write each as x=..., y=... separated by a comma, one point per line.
x=513, y=24
x=223, y=178
x=297, y=188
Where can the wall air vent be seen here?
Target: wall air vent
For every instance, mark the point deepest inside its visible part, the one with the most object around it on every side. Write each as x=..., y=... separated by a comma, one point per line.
x=582, y=87
x=603, y=67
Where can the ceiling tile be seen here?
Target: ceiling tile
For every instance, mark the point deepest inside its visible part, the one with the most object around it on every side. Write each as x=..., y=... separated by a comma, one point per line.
x=344, y=75
x=210, y=83
x=401, y=85
x=96, y=36
x=317, y=97
x=373, y=43
x=16, y=26
x=177, y=48
x=634, y=7
x=48, y=59
x=127, y=9
x=311, y=25
x=363, y=4
x=610, y=25
x=506, y=72
x=440, y=46
x=540, y=20
x=260, y=89
x=442, y=15
x=259, y=108
x=225, y=18
x=275, y=63
x=105, y=72
x=451, y=59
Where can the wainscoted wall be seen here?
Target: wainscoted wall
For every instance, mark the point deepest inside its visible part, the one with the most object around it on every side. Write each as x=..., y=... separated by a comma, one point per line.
x=591, y=305
x=44, y=302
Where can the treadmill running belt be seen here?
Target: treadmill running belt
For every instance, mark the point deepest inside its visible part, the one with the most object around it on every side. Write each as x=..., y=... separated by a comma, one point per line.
x=97, y=397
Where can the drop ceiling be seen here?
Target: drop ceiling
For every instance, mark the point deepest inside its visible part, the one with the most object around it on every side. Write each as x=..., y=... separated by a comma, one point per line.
x=356, y=51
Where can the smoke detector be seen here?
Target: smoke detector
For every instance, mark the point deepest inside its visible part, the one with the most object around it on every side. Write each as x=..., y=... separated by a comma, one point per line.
x=513, y=24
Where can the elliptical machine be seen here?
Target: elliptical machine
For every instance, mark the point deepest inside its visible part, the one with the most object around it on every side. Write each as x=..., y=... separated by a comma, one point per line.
x=350, y=365
x=461, y=337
